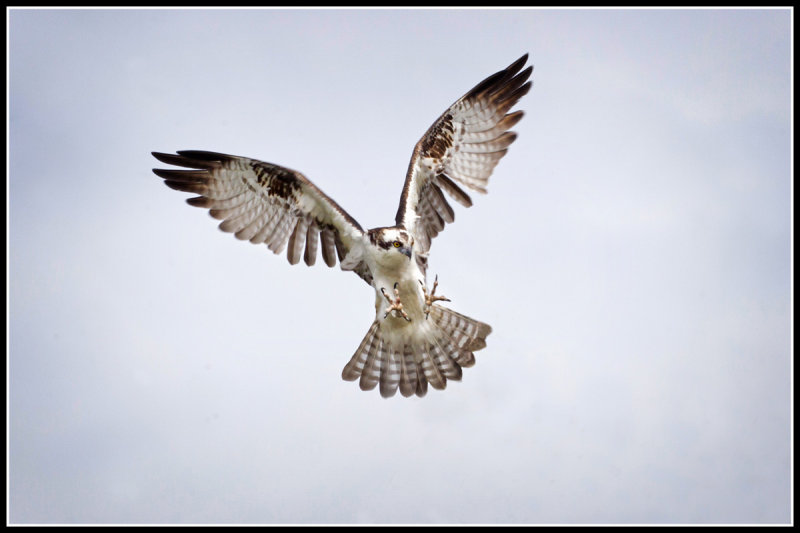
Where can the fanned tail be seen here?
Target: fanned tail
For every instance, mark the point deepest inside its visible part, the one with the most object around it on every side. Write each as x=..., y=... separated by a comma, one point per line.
x=467, y=334
x=411, y=366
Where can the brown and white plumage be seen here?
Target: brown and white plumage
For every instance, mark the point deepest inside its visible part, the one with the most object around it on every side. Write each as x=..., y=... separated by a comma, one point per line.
x=411, y=363
x=264, y=203
x=461, y=147
x=413, y=341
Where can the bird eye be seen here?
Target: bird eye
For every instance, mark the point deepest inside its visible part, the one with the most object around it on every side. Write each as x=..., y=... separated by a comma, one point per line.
x=397, y=244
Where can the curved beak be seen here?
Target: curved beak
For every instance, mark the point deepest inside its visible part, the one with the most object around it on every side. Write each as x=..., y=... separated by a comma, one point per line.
x=406, y=250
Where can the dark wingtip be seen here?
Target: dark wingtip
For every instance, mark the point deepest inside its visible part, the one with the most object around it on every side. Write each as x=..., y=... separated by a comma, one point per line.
x=204, y=155
x=161, y=173
x=516, y=65
x=191, y=158
x=163, y=157
x=499, y=79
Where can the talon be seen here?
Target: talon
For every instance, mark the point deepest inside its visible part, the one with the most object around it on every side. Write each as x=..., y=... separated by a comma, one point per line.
x=394, y=305
x=430, y=298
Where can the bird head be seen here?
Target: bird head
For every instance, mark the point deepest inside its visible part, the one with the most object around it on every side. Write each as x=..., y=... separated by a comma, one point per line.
x=392, y=240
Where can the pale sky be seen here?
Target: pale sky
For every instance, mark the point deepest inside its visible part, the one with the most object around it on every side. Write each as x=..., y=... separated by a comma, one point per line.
x=632, y=256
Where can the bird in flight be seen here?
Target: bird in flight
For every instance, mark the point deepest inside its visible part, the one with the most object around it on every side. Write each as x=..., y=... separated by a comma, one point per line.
x=414, y=341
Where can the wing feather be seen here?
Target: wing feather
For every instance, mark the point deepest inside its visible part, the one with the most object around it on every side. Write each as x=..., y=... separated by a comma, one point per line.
x=312, y=240
x=278, y=239
x=328, y=247
x=258, y=222
x=297, y=241
x=270, y=219
x=462, y=147
x=218, y=203
x=263, y=203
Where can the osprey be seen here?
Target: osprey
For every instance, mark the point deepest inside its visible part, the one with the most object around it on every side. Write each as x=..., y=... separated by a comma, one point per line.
x=413, y=341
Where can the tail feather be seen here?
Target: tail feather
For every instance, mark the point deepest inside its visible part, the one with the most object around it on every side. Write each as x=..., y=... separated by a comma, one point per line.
x=429, y=368
x=408, y=377
x=447, y=365
x=411, y=367
x=422, y=384
x=465, y=358
x=478, y=344
x=467, y=333
x=376, y=357
x=352, y=370
x=390, y=371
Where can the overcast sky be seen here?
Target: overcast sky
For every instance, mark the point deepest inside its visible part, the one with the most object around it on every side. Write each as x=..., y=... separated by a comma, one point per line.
x=632, y=256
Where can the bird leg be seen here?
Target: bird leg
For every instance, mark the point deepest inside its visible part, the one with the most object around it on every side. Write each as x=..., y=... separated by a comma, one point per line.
x=394, y=305
x=430, y=298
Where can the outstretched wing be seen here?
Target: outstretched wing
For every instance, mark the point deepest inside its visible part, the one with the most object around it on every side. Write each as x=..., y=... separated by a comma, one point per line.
x=462, y=146
x=264, y=203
